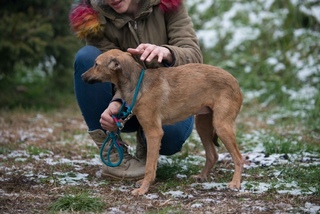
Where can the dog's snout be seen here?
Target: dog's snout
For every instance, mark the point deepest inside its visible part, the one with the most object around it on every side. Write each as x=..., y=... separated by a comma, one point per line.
x=88, y=79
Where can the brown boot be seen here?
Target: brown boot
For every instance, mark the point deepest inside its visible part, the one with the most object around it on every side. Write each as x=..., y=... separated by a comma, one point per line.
x=130, y=168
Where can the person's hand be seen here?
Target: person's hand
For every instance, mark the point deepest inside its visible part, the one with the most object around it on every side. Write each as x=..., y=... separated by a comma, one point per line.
x=106, y=120
x=149, y=51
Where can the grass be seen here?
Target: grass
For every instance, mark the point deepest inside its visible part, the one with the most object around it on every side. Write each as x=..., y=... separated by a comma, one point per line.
x=306, y=177
x=81, y=202
x=284, y=146
x=33, y=150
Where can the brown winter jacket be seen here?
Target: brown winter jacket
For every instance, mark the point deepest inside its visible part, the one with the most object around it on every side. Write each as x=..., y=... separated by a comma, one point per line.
x=157, y=24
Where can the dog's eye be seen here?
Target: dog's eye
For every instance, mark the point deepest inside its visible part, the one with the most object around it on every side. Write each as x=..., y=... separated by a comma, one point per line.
x=95, y=64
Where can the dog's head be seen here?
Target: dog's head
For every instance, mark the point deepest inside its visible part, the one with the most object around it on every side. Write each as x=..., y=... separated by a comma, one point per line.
x=108, y=66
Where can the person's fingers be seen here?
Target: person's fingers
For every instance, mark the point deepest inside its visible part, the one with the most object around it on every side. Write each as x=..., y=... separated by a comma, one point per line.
x=107, y=122
x=134, y=51
x=106, y=119
x=156, y=53
x=148, y=52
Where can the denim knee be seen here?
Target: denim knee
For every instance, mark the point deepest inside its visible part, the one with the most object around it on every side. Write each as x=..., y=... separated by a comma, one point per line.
x=92, y=99
x=85, y=58
x=175, y=136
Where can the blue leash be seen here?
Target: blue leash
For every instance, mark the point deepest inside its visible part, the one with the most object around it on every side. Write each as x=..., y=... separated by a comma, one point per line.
x=114, y=145
x=125, y=113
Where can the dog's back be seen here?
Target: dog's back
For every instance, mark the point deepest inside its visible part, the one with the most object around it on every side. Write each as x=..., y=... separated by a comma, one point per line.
x=204, y=84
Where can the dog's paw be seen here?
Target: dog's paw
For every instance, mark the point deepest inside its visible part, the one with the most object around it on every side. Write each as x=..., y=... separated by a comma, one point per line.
x=139, y=183
x=234, y=185
x=139, y=191
x=199, y=178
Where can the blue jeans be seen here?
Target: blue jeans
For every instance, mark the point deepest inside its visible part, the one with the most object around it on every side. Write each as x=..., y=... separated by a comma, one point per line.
x=93, y=99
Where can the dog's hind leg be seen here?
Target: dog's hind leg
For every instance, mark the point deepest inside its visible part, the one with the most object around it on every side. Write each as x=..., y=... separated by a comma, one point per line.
x=208, y=138
x=224, y=126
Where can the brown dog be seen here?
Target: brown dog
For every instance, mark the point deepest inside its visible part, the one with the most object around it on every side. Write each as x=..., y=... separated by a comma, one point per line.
x=169, y=95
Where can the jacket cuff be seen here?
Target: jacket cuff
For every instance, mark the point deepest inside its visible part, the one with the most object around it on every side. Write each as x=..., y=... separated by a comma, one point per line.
x=165, y=63
x=117, y=100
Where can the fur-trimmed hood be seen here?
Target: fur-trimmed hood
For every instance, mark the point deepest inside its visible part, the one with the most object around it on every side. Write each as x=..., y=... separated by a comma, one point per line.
x=88, y=18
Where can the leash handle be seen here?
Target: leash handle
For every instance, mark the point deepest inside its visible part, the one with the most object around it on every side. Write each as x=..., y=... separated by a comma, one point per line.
x=113, y=145
x=114, y=140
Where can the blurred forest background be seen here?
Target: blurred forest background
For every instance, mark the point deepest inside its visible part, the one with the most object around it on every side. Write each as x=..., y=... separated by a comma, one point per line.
x=271, y=47
x=37, y=50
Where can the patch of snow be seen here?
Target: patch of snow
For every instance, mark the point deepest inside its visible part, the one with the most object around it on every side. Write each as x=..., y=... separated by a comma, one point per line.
x=115, y=210
x=197, y=205
x=151, y=196
x=178, y=194
x=164, y=160
x=313, y=11
x=305, y=93
x=18, y=154
x=70, y=178
x=121, y=188
x=181, y=176
x=311, y=208
x=242, y=34
x=250, y=95
x=211, y=185
x=255, y=187
x=56, y=160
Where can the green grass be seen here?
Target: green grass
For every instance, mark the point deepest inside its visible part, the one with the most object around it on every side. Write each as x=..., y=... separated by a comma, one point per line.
x=306, y=177
x=33, y=150
x=80, y=202
x=4, y=150
x=285, y=146
x=92, y=151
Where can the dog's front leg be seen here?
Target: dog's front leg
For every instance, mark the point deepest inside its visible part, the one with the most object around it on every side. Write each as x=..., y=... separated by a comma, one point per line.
x=153, y=137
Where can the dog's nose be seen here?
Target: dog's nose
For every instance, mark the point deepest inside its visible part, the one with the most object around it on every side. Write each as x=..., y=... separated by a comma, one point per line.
x=87, y=79
x=83, y=77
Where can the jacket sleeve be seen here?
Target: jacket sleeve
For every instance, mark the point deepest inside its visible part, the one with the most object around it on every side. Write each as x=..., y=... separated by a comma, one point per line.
x=182, y=39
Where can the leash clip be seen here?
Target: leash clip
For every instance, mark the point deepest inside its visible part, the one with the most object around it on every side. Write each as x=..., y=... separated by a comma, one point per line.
x=124, y=120
x=118, y=123
x=128, y=117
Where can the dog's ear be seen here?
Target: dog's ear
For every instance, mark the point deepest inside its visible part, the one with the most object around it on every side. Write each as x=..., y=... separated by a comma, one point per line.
x=126, y=64
x=123, y=64
x=114, y=64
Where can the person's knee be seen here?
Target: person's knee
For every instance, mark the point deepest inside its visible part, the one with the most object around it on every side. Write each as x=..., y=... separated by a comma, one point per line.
x=171, y=149
x=86, y=56
x=175, y=136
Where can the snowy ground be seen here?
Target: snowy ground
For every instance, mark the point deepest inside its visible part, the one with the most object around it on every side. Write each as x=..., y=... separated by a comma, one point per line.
x=44, y=156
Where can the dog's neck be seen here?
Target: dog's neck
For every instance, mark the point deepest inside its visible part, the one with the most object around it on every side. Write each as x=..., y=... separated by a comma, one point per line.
x=128, y=85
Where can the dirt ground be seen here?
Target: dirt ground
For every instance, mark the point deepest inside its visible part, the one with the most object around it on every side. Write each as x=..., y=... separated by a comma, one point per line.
x=40, y=150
